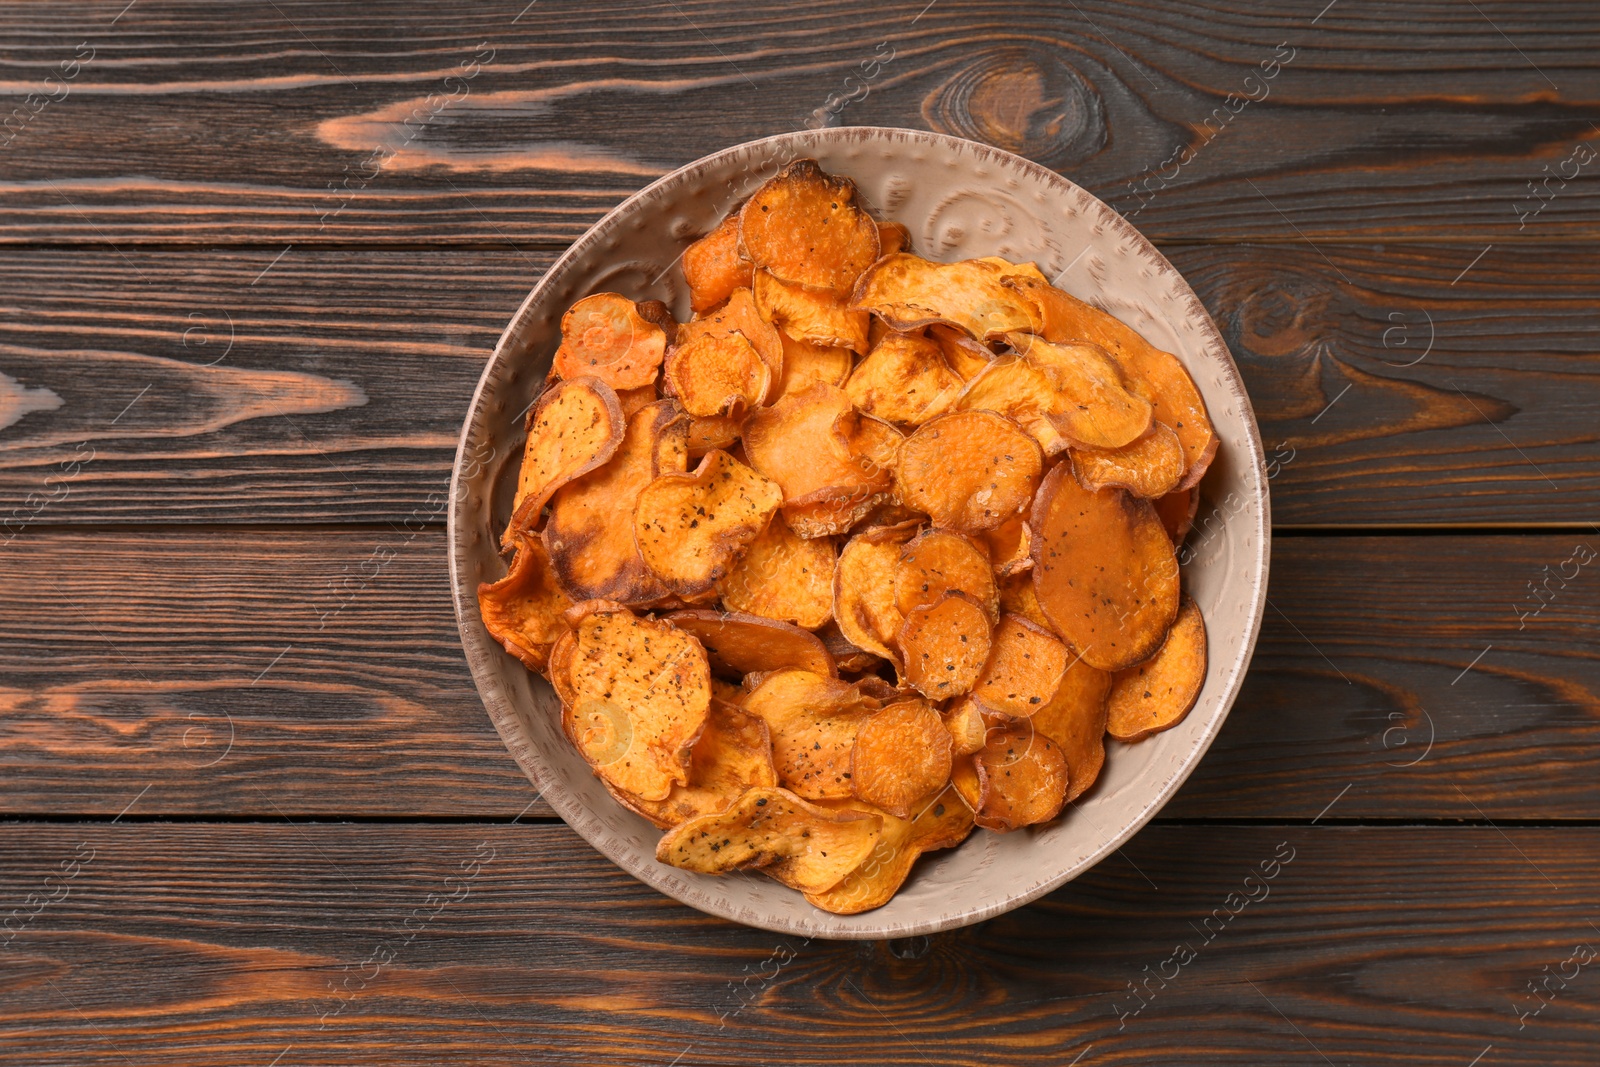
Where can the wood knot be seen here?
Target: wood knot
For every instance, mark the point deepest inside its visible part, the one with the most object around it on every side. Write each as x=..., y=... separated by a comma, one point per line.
x=1023, y=101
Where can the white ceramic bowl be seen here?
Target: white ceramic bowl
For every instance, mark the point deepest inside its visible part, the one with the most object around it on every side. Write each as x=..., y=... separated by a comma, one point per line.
x=959, y=199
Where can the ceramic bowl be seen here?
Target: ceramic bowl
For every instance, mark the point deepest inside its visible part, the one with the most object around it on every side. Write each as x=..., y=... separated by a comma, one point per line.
x=960, y=199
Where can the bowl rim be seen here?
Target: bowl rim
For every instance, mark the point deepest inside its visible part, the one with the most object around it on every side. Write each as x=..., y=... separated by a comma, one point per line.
x=496, y=702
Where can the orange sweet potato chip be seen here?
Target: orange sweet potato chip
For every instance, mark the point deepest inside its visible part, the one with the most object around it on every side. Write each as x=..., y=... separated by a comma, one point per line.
x=739, y=316
x=892, y=238
x=713, y=267
x=909, y=292
x=804, y=363
x=1009, y=546
x=1149, y=467
x=559, y=669
x=589, y=534
x=1096, y=406
x=642, y=691
x=605, y=337
x=969, y=470
x=1157, y=694
x=968, y=779
x=904, y=379
x=813, y=720
x=747, y=644
x=942, y=822
x=901, y=756
x=783, y=576
x=690, y=528
x=808, y=228
x=826, y=489
x=833, y=511
x=714, y=375
x=1177, y=511
x=851, y=660
x=1025, y=667
x=576, y=426
x=864, y=602
x=965, y=723
x=1024, y=393
x=1025, y=778
x=732, y=755
x=964, y=355
x=814, y=316
x=945, y=645
x=631, y=400
x=712, y=432
x=1103, y=570
x=1017, y=597
x=936, y=562
x=802, y=845
x=1075, y=719
x=870, y=443
x=523, y=610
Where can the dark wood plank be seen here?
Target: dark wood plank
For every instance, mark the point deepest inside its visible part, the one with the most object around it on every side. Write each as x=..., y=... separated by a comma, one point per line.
x=257, y=123
x=201, y=945
x=337, y=380
x=331, y=661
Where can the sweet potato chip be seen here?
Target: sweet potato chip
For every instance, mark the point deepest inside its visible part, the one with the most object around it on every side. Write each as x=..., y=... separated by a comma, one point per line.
x=850, y=659
x=732, y=755
x=870, y=443
x=942, y=822
x=1158, y=693
x=1009, y=546
x=745, y=644
x=717, y=375
x=938, y=561
x=945, y=645
x=1177, y=511
x=690, y=528
x=969, y=470
x=965, y=723
x=605, y=337
x=631, y=400
x=826, y=489
x=808, y=228
x=1025, y=667
x=642, y=690
x=904, y=379
x=909, y=292
x=832, y=511
x=1104, y=571
x=712, y=432
x=964, y=355
x=892, y=238
x=576, y=426
x=1156, y=375
x=864, y=603
x=713, y=267
x=1075, y=719
x=1095, y=405
x=739, y=316
x=809, y=315
x=589, y=534
x=804, y=363
x=523, y=610
x=1022, y=392
x=967, y=778
x=1017, y=597
x=783, y=576
x=901, y=756
x=1149, y=467
x=813, y=720
x=559, y=669
x=1025, y=778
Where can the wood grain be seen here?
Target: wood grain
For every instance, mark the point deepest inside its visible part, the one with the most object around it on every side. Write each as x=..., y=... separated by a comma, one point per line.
x=330, y=659
x=277, y=123
x=329, y=386
x=201, y=945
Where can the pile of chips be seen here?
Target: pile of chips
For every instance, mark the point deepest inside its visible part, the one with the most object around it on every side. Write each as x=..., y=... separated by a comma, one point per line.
x=871, y=551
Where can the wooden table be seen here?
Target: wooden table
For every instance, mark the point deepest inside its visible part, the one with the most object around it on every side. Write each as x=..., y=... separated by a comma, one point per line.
x=254, y=257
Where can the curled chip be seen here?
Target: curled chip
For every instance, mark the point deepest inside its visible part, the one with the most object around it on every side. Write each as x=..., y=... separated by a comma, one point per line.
x=864, y=603
x=909, y=292
x=849, y=658
x=1024, y=776
x=967, y=779
x=965, y=356
x=1149, y=467
x=892, y=238
x=965, y=723
x=1157, y=694
x=945, y=645
x=1022, y=392
x=804, y=363
x=559, y=669
x=1104, y=571
x=942, y=822
x=713, y=267
x=1075, y=719
x=1009, y=546
x=825, y=488
x=605, y=337
x=739, y=316
x=901, y=756
x=746, y=644
x=733, y=754
x=1025, y=667
x=871, y=444
x=691, y=527
x=813, y=720
x=832, y=511
x=576, y=426
x=809, y=315
x=1156, y=375
x=641, y=692
x=714, y=375
x=969, y=470
x=523, y=610
x=712, y=432
x=1177, y=511
x=802, y=845
x=904, y=379
x=807, y=228
x=589, y=534
x=1096, y=406
x=936, y=562
x=783, y=576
